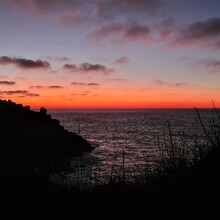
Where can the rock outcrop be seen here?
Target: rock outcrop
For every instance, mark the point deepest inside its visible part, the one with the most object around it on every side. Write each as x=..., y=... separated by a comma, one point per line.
x=34, y=142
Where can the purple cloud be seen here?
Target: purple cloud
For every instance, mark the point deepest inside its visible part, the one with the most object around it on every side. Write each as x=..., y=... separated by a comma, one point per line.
x=206, y=31
x=212, y=65
x=164, y=83
x=24, y=63
x=108, y=29
x=164, y=28
x=87, y=68
x=73, y=17
x=71, y=67
x=45, y=6
x=109, y=7
x=122, y=60
x=84, y=84
x=55, y=87
x=36, y=87
x=10, y=83
x=44, y=87
x=124, y=31
x=137, y=31
x=79, y=94
x=19, y=92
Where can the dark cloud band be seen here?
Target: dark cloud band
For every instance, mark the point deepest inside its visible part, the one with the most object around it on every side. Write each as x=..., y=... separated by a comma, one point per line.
x=87, y=68
x=19, y=92
x=45, y=87
x=10, y=83
x=24, y=63
x=84, y=84
x=202, y=31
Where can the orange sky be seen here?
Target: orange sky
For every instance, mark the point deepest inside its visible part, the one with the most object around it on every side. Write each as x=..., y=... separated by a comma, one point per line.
x=134, y=98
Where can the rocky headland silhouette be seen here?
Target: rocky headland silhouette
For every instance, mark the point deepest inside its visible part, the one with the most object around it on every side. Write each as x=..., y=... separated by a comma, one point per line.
x=34, y=143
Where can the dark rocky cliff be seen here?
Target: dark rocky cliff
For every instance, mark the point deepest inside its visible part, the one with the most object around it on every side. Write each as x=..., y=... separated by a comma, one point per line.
x=34, y=142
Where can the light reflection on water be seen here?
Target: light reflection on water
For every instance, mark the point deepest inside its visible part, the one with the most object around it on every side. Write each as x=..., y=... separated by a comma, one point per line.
x=134, y=132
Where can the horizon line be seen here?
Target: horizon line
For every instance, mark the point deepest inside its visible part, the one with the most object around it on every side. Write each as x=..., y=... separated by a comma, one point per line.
x=118, y=108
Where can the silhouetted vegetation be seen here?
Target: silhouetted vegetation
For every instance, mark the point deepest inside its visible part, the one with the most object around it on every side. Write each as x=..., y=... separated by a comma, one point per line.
x=183, y=183
x=33, y=143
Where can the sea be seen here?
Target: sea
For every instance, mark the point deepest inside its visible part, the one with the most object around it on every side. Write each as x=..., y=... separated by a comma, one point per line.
x=128, y=142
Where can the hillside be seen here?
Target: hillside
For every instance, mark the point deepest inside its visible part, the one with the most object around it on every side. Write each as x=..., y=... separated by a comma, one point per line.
x=33, y=141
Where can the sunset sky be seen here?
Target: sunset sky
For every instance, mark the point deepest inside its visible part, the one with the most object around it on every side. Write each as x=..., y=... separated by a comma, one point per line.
x=110, y=53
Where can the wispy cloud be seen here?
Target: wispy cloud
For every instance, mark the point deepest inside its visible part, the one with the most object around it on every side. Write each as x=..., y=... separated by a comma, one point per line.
x=164, y=28
x=45, y=6
x=58, y=58
x=10, y=83
x=24, y=63
x=212, y=65
x=184, y=59
x=109, y=29
x=45, y=87
x=79, y=94
x=110, y=7
x=73, y=17
x=55, y=87
x=137, y=32
x=122, y=31
x=118, y=80
x=36, y=87
x=19, y=92
x=165, y=83
x=122, y=60
x=84, y=84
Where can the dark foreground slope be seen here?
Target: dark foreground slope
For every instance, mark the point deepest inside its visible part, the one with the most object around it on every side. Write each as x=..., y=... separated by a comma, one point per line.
x=32, y=145
x=33, y=142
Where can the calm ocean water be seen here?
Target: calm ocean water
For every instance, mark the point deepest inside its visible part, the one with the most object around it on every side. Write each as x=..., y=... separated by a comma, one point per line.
x=128, y=138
